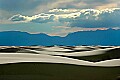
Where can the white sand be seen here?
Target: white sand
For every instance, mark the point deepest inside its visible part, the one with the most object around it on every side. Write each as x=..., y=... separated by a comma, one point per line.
x=84, y=53
x=47, y=56
x=27, y=57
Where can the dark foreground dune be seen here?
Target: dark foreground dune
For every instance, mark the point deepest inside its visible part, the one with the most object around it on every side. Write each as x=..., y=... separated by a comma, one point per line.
x=49, y=71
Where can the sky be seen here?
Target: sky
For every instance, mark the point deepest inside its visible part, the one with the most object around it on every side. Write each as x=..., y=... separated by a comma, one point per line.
x=59, y=17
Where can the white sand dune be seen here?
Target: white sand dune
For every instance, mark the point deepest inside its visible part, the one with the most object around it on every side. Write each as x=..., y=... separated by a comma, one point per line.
x=63, y=48
x=115, y=62
x=85, y=53
x=56, y=48
x=27, y=57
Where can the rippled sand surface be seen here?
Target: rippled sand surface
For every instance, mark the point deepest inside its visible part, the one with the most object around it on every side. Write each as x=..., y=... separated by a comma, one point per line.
x=104, y=56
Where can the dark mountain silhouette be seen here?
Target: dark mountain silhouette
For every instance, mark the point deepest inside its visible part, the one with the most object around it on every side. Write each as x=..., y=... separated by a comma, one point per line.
x=99, y=37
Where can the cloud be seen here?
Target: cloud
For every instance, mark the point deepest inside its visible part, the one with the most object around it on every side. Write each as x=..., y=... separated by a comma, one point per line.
x=111, y=5
x=87, y=18
x=83, y=4
x=4, y=15
x=40, y=18
x=25, y=7
x=97, y=18
x=18, y=17
x=51, y=4
x=32, y=7
x=20, y=5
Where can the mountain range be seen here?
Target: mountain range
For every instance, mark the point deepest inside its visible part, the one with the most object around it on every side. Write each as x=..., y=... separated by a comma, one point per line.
x=98, y=37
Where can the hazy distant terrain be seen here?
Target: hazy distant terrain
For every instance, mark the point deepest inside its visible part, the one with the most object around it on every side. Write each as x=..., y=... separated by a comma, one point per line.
x=98, y=37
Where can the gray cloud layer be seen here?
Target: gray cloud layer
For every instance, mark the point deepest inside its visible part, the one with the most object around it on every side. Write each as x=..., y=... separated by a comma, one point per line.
x=86, y=18
x=31, y=7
